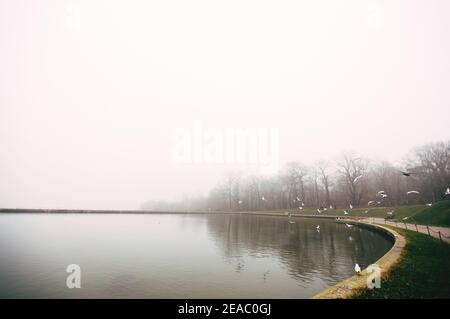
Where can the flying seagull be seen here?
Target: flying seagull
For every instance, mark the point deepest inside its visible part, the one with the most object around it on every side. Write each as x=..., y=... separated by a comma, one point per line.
x=357, y=178
x=405, y=173
x=370, y=202
x=412, y=192
x=357, y=269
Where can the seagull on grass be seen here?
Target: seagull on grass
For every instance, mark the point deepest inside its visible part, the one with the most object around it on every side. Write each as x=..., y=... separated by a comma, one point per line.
x=412, y=192
x=357, y=269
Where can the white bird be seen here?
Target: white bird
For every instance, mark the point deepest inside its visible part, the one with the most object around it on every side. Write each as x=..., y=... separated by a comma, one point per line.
x=299, y=199
x=390, y=213
x=345, y=212
x=447, y=192
x=303, y=204
x=325, y=209
x=240, y=202
x=383, y=195
x=291, y=222
x=331, y=206
x=318, y=227
x=300, y=207
x=262, y=198
x=381, y=192
x=357, y=269
x=370, y=202
x=365, y=212
x=319, y=211
x=350, y=238
x=357, y=178
x=405, y=218
x=351, y=206
x=412, y=192
x=430, y=204
x=348, y=225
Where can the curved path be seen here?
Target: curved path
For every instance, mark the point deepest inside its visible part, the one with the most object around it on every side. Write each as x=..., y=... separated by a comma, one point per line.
x=442, y=233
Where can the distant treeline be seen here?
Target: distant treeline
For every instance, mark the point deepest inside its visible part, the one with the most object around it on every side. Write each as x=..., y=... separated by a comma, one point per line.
x=349, y=180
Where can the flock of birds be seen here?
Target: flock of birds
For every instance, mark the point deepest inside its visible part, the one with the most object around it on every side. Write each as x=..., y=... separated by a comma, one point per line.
x=379, y=197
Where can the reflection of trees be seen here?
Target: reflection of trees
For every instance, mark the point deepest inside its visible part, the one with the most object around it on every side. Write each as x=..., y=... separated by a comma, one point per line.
x=328, y=254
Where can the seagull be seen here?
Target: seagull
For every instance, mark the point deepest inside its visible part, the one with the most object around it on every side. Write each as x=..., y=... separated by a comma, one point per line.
x=300, y=207
x=405, y=173
x=350, y=238
x=319, y=211
x=357, y=269
x=291, y=222
x=351, y=206
x=370, y=202
x=389, y=213
x=381, y=192
x=262, y=198
x=348, y=225
x=345, y=212
x=331, y=206
x=357, y=178
x=365, y=212
x=318, y=227
x=303, y=204
x=325, y=209
x=299, y=199
x=412, y=192
x=383, y=195
x=429, y=204
x=240, y=202
x=447, y=192
x=405, y=218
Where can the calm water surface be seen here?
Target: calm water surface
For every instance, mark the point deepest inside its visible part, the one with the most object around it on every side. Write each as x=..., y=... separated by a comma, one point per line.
x=179, y=255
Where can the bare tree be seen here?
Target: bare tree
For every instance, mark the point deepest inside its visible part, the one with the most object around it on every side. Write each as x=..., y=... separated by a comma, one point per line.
x=352, y=169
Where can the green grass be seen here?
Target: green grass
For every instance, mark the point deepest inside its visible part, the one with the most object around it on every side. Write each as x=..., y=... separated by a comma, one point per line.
x=437, y=215
x=423, y=272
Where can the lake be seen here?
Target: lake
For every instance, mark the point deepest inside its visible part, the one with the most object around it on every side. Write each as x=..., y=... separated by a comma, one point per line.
x=179, y=255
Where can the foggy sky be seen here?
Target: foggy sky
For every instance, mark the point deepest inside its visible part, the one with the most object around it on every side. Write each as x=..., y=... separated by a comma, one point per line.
x=91, y=92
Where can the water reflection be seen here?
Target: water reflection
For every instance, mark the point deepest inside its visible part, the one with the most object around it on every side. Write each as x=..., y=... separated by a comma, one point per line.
x=179, y=255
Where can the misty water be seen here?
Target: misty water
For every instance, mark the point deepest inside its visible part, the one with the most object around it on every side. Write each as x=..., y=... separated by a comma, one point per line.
x=179, y=255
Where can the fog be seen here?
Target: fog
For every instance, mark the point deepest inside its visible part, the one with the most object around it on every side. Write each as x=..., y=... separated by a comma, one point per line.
x=98, y=98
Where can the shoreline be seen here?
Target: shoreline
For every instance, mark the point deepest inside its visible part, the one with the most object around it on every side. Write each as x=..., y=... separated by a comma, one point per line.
x=344, y=289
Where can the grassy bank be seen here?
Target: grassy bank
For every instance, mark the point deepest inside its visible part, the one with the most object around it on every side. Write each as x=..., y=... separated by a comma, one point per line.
x=423, y=272
x=436, y=215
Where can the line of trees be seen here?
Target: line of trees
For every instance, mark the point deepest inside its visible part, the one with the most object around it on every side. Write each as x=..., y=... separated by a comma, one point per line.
x=349, y=180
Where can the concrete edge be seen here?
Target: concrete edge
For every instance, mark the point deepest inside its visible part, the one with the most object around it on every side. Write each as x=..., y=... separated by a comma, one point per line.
x=346, y=288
